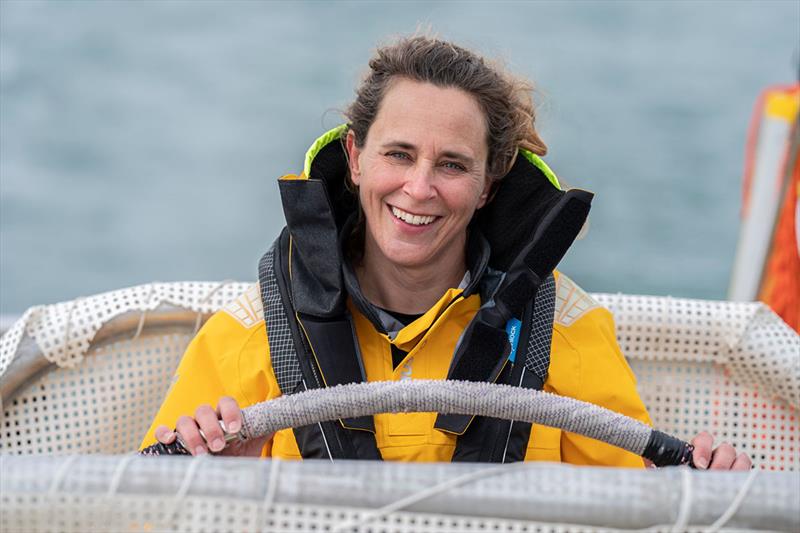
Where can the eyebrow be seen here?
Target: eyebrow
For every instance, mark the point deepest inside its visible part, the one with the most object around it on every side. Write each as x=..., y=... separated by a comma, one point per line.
x=447, y=154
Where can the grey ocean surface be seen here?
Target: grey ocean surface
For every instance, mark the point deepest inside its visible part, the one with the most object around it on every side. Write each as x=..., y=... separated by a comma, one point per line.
x=142, y=141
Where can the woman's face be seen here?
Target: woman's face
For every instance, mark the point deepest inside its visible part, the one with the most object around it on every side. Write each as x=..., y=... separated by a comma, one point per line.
x=421, y=174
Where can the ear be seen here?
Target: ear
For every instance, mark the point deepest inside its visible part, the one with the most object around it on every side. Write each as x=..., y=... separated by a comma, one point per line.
x=487, y=188
x=353, y=153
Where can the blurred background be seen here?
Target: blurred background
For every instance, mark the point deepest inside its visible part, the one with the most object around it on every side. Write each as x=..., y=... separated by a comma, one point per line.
x=141, y=141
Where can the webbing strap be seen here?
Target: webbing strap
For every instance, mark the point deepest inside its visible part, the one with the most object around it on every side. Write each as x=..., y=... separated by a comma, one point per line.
x=537, y=354
x=283, y=356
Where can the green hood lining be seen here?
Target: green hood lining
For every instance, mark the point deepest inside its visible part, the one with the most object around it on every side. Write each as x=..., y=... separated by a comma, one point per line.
x=337, y=133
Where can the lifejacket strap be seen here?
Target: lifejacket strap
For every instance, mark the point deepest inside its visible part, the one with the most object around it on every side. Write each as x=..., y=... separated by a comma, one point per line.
x=285, y=363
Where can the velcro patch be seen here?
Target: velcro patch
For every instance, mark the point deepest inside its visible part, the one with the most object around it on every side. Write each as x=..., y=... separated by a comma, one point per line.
x=247, y=309
x=572, y=302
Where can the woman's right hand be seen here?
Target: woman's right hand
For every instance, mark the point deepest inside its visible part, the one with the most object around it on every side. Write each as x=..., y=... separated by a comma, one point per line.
x=207, y=420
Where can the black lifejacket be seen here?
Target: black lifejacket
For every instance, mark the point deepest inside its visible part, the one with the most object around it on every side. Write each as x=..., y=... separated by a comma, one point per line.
x=520, y=236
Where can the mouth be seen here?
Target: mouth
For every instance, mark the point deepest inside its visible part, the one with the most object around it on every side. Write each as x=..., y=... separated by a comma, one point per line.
x=411, y=218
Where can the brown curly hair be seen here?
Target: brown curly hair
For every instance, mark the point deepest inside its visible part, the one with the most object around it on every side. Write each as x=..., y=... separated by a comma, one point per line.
x=505, y=99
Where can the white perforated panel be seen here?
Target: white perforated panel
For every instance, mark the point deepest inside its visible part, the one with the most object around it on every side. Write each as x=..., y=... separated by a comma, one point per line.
x=104, y=405
x=63, y=331
x=731, y=368
x=684, y=398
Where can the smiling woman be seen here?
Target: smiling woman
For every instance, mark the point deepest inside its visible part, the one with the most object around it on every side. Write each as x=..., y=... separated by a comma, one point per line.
x=421, y=243
x=421, y=175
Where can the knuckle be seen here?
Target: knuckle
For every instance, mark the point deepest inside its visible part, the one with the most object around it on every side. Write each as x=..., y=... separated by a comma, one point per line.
x=193, y=440
x=228, y=406
x=703, y=439
x=202, y=411
x=185, y=422
x=727, y=448
x=211, y=430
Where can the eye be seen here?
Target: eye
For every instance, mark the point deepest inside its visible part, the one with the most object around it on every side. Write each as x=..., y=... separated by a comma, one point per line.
x=452, y=165
x=398, y=155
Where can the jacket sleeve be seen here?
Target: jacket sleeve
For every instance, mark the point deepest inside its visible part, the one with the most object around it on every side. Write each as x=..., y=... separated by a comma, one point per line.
x=224, y=359
x=587, y=364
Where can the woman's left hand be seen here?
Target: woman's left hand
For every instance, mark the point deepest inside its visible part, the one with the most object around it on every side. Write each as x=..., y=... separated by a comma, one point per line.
x=723, y=457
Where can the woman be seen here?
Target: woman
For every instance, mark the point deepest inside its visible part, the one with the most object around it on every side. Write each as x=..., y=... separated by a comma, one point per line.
x=416, y=236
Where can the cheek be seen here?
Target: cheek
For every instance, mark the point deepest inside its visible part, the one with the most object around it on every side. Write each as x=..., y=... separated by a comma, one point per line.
x=380, y=181
x=468, y=201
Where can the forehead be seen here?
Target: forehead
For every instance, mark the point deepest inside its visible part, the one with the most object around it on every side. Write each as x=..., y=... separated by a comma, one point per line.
x=425, y=115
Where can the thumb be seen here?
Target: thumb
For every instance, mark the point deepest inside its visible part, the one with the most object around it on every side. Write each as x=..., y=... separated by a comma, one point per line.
x=703, y=443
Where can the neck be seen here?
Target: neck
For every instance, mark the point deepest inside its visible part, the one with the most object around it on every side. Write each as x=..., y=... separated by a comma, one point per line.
x=408, y=290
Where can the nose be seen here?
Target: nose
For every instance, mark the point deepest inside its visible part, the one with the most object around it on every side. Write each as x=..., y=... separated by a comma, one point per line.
x=419, y=182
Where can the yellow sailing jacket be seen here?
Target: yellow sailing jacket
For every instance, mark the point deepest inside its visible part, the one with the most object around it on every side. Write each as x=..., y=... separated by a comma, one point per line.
x=230, y=357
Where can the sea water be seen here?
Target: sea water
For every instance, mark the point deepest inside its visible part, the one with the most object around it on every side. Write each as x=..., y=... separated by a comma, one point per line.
x=141, y=141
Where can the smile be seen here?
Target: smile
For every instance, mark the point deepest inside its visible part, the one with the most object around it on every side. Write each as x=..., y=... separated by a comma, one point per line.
x=410, y=218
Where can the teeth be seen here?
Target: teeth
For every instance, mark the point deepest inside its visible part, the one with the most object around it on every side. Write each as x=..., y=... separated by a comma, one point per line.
x=414, y=220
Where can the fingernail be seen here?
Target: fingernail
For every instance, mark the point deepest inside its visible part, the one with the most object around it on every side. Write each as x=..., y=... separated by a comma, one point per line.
x=200, y=450
x=217, y=445
x=701, y=463
x=234, y=427
x=169, y=436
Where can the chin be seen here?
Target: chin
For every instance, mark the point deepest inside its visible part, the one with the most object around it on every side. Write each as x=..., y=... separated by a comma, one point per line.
x=407, y=261
x=406, y=257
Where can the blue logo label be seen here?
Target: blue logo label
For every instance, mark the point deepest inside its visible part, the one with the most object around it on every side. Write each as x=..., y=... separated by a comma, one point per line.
x=512, y=330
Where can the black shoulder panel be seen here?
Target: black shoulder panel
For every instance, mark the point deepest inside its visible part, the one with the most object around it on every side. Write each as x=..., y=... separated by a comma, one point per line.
x=517, y=209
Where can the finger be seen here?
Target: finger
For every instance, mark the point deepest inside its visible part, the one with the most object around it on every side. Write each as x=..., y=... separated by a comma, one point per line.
x=742, y=462
x=209, y=424
x=190, y=434
x=230, y=414
x=723, y=457
x=164, y=435
x=701, y=457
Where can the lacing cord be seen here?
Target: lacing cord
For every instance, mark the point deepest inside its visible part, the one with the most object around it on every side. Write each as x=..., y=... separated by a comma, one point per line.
x=268, y=504
x=183, y=490
x=119, y=472
x=113, y=486
x=199, y=317
x=60, y=474
x=682, y=521
x=685, y=507
x=664, y=321
x=424, y=494
x=735, y=504
x=205, y=300
x=681, y=524
x=68, y=326
x=148, y=301
x=57, y=480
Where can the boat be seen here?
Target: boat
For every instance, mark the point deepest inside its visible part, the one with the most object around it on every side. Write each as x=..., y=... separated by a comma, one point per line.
x=767, y=263
x=80, y=382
